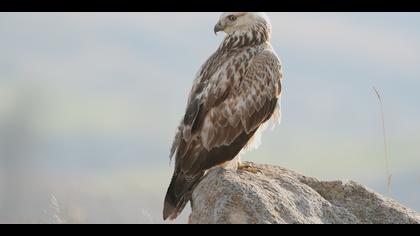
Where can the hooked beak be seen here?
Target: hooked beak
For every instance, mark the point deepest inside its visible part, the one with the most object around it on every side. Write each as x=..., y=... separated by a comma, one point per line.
x=218, y=27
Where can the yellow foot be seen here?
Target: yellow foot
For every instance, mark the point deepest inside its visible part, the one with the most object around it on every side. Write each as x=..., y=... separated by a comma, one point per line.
x=247, y=166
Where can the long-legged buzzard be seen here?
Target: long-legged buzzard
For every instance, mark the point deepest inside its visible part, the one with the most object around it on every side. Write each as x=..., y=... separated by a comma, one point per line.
x=236, y=91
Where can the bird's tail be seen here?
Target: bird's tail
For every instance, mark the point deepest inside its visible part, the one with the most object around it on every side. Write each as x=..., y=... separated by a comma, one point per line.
x=179, y=193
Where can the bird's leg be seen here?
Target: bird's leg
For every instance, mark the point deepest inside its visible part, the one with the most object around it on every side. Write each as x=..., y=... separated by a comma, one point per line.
x=247, y=166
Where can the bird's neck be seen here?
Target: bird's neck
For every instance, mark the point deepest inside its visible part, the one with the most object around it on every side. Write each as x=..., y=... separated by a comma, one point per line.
x=252, y=36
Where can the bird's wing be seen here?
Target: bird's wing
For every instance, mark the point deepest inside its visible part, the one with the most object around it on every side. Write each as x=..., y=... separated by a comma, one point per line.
x=242, y=111
x=227, y=110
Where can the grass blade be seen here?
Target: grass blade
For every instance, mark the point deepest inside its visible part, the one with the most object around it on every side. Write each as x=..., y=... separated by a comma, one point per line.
x=388, y=172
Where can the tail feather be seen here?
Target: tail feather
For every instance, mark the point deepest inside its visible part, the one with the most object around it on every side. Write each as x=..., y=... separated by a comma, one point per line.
x=179, y=193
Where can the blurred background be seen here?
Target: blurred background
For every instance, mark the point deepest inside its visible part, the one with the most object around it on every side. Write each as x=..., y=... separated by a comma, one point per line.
x=89, y=105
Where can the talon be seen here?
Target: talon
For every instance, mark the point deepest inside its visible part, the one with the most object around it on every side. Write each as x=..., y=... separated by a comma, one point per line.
x=248, y=167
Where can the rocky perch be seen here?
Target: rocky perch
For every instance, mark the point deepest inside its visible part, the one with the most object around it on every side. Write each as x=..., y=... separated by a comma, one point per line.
x=279, y=195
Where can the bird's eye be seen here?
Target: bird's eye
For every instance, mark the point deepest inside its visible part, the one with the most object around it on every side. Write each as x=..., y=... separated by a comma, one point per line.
x=232, y=17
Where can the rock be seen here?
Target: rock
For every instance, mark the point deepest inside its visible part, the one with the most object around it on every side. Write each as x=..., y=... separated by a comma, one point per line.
x=278, y=195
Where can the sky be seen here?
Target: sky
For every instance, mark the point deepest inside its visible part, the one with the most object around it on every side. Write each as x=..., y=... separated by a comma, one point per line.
x=90, y=102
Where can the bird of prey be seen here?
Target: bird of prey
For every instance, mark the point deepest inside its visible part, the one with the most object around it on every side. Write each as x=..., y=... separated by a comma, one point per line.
x=235, y=93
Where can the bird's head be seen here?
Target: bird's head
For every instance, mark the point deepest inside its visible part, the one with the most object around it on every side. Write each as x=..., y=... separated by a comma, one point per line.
x=242, y=22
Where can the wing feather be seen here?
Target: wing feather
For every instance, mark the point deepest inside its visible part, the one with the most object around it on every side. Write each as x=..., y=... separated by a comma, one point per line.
x=257, y=88
x=227, y=114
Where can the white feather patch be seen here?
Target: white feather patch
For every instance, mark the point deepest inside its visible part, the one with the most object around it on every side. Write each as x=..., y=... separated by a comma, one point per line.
x=256, y=140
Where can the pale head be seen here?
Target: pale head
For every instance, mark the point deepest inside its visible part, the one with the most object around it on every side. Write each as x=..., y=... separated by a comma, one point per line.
x=237, y=22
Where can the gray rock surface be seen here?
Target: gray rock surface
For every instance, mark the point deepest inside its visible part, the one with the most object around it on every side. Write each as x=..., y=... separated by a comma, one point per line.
x=279, y=195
